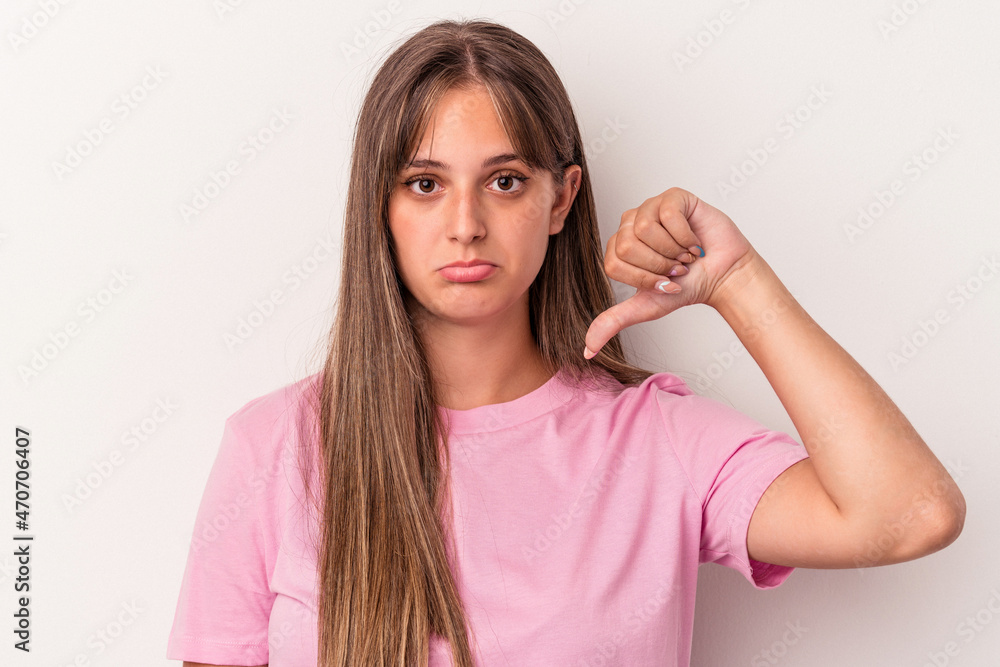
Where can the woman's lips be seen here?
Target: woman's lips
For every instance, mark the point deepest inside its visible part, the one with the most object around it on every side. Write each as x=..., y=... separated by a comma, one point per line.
x=467, y=274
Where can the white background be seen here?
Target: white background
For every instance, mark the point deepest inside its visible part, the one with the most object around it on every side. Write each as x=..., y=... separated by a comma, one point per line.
x=893, y=75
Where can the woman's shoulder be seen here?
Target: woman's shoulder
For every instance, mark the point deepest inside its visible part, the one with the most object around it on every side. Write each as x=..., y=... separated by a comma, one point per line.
x=628, y=401
x=291, y=405
x=688, y=414
x=664, y=381
x=672, y=394
x=671, y=400
x=662, y=384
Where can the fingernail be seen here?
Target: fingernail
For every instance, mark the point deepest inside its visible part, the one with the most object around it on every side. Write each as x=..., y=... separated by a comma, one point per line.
x=587, y=354
x=685, y=257
x=678, y=270
x=697, y=250
x=668, y=287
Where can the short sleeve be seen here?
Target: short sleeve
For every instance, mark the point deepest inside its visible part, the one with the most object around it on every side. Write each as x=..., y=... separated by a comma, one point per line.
x=730, y=460
x=225, y=601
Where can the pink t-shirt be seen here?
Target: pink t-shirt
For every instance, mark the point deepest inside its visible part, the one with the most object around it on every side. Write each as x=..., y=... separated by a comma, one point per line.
x=580, y=520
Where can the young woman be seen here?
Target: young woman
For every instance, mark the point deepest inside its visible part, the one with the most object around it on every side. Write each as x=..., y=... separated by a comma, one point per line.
x=464, y=483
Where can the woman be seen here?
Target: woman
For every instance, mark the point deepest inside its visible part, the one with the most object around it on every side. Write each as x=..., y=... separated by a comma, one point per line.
x=464, y=480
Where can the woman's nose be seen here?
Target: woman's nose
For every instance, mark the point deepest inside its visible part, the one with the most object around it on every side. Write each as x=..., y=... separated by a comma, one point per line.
x=466, y=218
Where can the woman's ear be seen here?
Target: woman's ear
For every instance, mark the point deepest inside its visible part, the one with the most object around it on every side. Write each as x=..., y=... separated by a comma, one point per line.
x=565, y=195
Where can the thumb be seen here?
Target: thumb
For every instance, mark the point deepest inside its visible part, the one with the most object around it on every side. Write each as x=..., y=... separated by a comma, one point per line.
x=644, y=306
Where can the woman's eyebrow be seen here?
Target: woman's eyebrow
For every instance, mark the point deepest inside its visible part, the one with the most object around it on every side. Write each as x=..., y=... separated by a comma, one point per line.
x=503, y=158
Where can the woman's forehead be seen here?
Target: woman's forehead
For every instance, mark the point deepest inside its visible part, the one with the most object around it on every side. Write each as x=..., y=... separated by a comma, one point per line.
x=463, y=125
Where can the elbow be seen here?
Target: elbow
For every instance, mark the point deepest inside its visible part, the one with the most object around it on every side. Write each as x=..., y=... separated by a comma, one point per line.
x=949, y=519
x=944, y=522
x=925, y=528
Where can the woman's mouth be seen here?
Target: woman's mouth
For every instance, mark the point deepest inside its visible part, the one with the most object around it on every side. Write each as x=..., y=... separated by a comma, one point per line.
x=467, y=274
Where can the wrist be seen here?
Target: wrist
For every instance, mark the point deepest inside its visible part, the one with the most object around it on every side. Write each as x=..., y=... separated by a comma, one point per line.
x=750, y=294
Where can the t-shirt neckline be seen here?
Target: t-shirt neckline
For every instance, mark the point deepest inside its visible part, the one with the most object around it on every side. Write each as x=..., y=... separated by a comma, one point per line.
x=554, y=393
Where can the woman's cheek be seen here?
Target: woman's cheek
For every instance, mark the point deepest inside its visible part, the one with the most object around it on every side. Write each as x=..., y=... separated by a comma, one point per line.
x=535, y=209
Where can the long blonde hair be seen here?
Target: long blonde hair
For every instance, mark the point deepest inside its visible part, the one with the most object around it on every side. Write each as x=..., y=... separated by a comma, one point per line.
x=384, y=580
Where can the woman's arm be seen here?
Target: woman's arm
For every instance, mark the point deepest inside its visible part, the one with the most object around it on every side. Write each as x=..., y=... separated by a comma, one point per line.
x=871, y=491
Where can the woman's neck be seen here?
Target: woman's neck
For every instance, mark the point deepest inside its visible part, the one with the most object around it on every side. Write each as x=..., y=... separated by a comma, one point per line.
x=485, y=363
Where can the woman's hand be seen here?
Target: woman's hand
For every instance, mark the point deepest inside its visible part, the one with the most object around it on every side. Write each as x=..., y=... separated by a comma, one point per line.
x=668, y=232
x=825, y=510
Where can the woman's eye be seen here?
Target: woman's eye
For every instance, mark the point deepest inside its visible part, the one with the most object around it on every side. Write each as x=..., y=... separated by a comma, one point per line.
x=504, y=183
x=425, y=185
x=508, y=182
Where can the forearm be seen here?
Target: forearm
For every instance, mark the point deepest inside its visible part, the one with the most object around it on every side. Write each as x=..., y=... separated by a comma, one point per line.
x=868, y=457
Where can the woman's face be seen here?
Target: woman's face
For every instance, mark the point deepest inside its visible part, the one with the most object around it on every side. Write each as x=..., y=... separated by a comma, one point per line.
x=466, y=196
